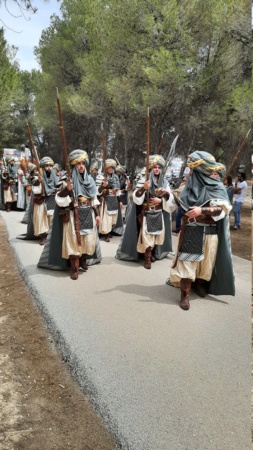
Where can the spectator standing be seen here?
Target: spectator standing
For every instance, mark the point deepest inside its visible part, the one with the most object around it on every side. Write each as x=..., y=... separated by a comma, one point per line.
x=239, y=197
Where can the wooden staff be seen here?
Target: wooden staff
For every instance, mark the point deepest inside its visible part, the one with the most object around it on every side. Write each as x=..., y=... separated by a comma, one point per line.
x=35, y=158
x=67, y=166
x=239, y=151
x=147, y=152
x=64, y=145
x=103, y=148
x=160, y=144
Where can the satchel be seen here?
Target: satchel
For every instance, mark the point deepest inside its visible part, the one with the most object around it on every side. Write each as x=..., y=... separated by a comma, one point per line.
x=111, y=203
x=154, y=221
x=193, y=240
x=50, y=202
x=85, y=217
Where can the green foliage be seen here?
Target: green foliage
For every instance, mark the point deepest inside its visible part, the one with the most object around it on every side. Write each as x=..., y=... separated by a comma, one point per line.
x=190, y=62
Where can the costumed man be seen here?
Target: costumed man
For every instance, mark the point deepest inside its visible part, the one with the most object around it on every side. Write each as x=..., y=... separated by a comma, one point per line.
x=22, y=182
x=177, y=192
x=57, y=170
x=110, y=205
x=30, y=171
x=148, y=227
x=204, y=252
x=79, y=212
x=124, y=187
x=94, y=170
x=44, y=189
x=9, y=176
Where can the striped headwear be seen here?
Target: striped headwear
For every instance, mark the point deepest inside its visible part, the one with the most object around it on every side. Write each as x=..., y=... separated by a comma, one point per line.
x=77, y=156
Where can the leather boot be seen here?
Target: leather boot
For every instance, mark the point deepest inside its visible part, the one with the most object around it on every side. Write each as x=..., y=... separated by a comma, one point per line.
x=200, y=287
x=43, y=238
x=152, y=254
x=8, y=206
x=185, y=286
x=147, y=258
x=83, y=263
x=74, y=262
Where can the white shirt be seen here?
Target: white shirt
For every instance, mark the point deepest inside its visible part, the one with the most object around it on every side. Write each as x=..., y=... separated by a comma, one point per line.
x=241, y=195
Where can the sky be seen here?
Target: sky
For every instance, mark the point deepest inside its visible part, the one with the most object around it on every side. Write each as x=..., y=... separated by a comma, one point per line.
x=24, y=31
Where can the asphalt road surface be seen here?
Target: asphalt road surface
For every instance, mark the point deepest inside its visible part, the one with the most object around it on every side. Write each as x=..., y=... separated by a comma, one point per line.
x=162, y=378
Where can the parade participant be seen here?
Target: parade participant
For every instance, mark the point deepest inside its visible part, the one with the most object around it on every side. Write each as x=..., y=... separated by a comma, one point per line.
x=110, y=204
x=94, y=170
x=30, y=172
x=185, y=179
x=78, y=203
x=50, y=181
x=148, y=227
x=204, y=252
x=21, y=201
x=57, y=170
x=124, y=188
x=9, y=176
x=44, y=189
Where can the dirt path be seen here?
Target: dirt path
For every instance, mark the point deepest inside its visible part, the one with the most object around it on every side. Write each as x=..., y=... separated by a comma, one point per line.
x=42, y=406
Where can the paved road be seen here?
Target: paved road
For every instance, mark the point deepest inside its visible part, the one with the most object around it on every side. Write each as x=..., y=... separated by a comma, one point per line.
x=162, y=378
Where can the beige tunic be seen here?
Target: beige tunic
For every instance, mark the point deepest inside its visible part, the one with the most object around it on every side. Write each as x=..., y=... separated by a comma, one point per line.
x=201, y=269
x=9, y=195
x=40, y=219
x=69, y=241
x=146, y=240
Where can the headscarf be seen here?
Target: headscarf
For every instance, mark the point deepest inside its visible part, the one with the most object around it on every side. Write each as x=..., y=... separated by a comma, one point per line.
x=49, y=179
x=201, y=187
x=84, y=185
x=56, y=167
x=153, y=161
x=203, y=162
x=12, y=169
x=77, y=156
x=31, y=167
x=110, y=163
x=94, y=166
x=9, y=159
x=121, y=172
x=222, y=171
x=156, y=159
x=46, y=161
x=113, y=179
x=120, y=168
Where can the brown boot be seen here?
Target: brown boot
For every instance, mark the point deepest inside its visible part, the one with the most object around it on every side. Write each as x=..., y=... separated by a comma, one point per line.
x=43, y=238
x=152, y=254
x=107, y=238
x=83, y=263
x=74, y=262
x=185, y=286
x=8, y=206
x=200, y=287
x=147, y=258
